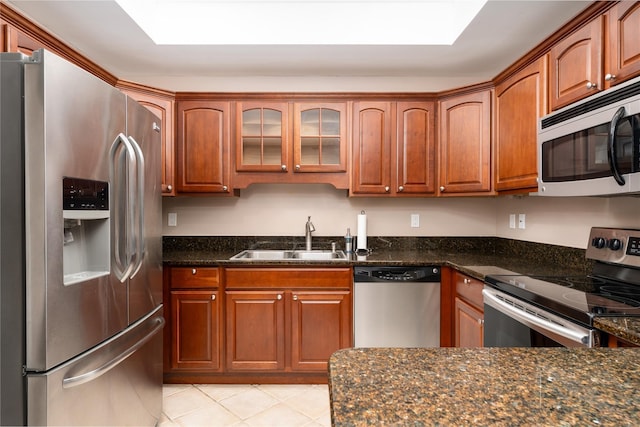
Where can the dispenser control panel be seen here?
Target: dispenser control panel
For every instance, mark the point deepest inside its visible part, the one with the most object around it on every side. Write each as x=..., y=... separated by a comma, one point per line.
x=84, y=194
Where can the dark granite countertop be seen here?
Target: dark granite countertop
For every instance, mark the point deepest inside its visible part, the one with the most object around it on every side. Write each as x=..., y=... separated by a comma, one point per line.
x=476, y=257
x=627, y=328
x=485, y=387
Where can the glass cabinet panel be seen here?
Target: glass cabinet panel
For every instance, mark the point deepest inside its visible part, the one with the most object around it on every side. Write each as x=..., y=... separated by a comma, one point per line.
x=261, y=140
x=320, y=139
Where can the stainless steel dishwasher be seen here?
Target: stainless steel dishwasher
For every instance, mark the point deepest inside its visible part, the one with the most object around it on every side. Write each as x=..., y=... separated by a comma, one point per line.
x=396, y=306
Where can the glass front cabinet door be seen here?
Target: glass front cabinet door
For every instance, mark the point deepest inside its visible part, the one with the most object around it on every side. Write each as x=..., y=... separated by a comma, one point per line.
x=320, y=143
x=262, y=137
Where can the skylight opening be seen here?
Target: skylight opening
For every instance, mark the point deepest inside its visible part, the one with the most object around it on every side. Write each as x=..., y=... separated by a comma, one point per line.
x=302, y=22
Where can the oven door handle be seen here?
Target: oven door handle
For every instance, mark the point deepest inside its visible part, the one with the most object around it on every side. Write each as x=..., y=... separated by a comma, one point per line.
x=531, y=320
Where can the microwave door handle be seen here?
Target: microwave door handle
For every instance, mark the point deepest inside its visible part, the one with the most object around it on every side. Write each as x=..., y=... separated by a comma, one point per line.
x=612, y=152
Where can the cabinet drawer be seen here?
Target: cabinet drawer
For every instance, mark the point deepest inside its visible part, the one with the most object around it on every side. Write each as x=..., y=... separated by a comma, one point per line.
x=194, y=277
x=470, y=289
x=240, y=278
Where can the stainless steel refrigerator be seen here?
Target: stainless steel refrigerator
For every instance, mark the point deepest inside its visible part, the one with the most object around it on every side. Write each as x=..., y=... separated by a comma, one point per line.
x=81, y=313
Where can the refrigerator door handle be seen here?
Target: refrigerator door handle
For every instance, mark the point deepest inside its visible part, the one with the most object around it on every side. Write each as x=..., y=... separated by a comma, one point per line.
x=123, y=262
x=139, y=191
x=98, y=372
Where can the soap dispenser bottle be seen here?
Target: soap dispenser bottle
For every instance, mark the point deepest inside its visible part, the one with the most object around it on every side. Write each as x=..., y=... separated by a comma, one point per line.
x=348, y=242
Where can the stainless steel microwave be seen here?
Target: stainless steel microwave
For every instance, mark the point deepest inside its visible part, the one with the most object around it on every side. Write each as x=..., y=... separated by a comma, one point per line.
x=592, y=148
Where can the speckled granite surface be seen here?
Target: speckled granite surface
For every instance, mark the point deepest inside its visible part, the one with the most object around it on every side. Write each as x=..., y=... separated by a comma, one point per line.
x=485, y=387
x=627, y=328
x=474, y=256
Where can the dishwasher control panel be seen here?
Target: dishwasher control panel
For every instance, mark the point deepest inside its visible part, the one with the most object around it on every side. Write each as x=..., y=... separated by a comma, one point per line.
x=397, y=274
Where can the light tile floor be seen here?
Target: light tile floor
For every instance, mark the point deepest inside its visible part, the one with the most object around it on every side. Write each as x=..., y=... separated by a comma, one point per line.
x=248, y=405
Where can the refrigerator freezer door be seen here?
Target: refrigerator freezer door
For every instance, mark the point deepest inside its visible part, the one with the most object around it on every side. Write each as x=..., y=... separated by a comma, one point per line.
x=117, y=383
x=145, y=284
x=71, y=120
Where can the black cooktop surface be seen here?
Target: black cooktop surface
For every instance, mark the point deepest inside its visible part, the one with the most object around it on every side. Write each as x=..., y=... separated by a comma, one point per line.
x=576, y=297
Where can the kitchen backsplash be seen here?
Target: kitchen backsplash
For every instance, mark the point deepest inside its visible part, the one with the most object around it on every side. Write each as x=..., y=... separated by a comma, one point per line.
x=282, y=210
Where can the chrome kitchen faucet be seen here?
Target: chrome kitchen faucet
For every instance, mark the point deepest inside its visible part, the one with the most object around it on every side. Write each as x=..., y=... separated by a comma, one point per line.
x=307, y=235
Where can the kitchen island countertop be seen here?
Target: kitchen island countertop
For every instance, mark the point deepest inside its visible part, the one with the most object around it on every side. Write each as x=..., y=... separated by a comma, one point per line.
x=485, y=386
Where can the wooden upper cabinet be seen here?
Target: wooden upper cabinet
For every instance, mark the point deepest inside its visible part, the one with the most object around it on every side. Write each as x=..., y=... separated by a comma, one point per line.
x=13, y=40
x=624, y=42
x=371, y=173
x=320, y=137
x=465, y=143
x=575, y=65
x=203, y=157
x=415, y=148
x=520, y=101
x=162, y=105
x=262, y=137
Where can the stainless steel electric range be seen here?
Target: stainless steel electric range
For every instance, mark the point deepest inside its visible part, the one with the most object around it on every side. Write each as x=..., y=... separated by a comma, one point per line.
x=548, y=311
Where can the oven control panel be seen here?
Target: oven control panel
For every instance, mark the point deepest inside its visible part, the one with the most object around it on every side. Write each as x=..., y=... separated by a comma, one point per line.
x=615, y=245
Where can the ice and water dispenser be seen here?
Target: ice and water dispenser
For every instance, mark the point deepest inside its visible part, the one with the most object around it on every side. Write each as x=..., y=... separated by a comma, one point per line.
x=86, y=242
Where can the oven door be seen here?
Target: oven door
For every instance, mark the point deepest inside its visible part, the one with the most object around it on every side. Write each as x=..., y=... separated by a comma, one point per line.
x=510, y=322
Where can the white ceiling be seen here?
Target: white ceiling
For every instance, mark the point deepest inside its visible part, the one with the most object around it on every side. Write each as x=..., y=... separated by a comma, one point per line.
x=502, y=32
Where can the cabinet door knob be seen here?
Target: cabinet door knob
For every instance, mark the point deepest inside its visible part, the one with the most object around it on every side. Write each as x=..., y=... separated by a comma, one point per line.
x=387, y=189
x=193, y=271
x=284, y=168
x=279, y=297
x=401, y=188
x=480, y=321
x=225, y=188
x=297, y=167
x=295, y=297
x=213, y=297
x=441, y=188
x=467, y=281
x=169, y=188
x=591, y=85
x=610, y=77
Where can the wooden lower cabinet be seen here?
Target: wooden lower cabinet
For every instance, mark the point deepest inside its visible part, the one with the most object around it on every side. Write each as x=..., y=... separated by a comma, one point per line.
x=468, y=324
x=195, y=330
x=468, y=311
x=255, y=330
x=255, y=325
x=320, y=325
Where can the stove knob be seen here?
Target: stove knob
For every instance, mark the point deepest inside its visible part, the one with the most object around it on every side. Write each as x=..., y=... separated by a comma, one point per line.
x=599, y=242
x=615, y=244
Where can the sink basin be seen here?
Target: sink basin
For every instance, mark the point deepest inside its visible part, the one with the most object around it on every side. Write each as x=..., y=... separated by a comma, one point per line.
x=274, y=255
x=319, y=255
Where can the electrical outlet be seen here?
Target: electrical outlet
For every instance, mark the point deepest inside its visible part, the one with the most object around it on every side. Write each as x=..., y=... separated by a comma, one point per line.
x=521, y=224
x=172, y=219
x=415, y=220
x=512, y=220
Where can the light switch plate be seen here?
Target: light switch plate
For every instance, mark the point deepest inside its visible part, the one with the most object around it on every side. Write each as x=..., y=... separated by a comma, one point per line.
x=415, y=220
x=512, y=220
x=172, y=219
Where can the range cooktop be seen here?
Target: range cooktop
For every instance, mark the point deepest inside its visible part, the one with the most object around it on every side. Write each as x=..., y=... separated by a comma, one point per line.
x=613, y=288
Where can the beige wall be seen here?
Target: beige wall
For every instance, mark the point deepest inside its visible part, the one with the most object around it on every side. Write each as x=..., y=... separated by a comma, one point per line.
x=565, y=221
x=282, y=210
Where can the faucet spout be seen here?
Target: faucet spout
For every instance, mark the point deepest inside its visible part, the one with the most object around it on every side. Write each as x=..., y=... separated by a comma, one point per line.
x=309, y=228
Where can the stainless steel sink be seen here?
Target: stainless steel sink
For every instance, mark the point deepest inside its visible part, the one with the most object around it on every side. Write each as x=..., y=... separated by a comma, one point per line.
x=290, y=255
